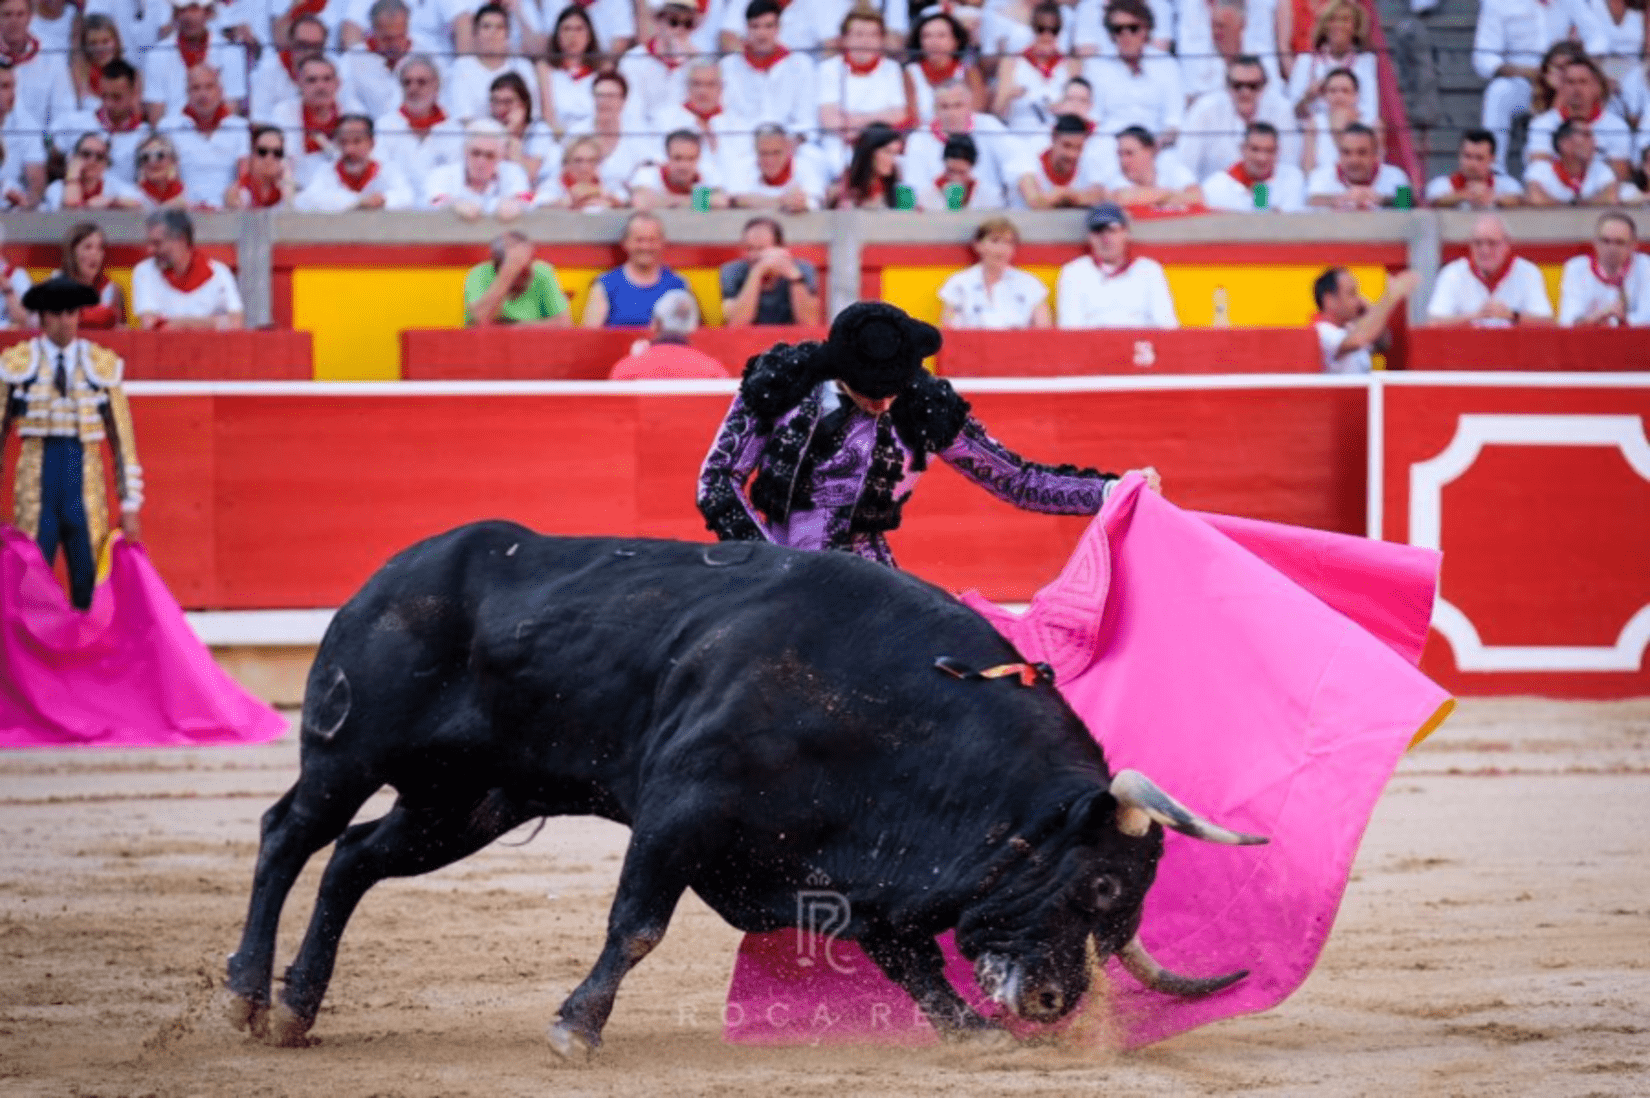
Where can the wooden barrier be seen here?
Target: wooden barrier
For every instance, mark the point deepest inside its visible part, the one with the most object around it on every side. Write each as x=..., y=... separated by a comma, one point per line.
x=1525, y=348
x=514, y=353
x=1128, y=351
x=267, y=354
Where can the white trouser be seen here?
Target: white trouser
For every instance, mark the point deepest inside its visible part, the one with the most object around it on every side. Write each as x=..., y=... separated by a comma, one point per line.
x=1505, y=97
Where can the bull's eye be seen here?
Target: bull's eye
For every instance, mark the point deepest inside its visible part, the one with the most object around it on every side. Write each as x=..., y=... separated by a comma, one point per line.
x=1106, y=890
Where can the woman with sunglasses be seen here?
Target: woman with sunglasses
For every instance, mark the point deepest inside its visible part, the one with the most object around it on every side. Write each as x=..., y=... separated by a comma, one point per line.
x=1140, y=86
x=1340, y=40
x=567, y=72
x=97, y=44
x=939, y=43
x=1031, y=83
x=85, y=255
x=87, y=183
x=267, y=181
x=158, y=176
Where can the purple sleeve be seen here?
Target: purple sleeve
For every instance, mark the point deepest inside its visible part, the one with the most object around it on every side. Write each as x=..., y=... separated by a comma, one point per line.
x=722, y=478
x=1050, y=489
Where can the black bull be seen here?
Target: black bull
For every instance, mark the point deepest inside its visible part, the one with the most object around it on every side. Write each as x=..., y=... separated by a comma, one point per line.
x=762, y=719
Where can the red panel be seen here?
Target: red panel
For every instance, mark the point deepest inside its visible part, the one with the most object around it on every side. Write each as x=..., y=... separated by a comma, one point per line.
x=1529, y=349
x=1544, y=544
x=518, y=354
x=1116, y=351
x=264, y=354
x=1548, y=254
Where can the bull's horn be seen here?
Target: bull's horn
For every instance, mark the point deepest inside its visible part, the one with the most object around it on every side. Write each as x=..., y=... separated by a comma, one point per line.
x=1140, y=801
x=1140, y=965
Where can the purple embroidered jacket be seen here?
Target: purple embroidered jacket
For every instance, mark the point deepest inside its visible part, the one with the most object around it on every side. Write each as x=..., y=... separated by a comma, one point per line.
x=830, y=476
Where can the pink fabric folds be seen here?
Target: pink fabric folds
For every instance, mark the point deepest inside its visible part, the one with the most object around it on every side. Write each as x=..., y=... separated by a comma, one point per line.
x=128, y=672
x=1263, y=674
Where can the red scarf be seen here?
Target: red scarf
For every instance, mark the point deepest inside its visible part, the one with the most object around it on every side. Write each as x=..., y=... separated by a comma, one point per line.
x=94, y=78
x=671, y=63
x=286, y=63
x=704, y=117
x=191, y=278
x=664, y=180
x=325, y=127
x=162, y=193
x=26, y=54
x=780, y=180
x=422, y=126
x=1619, y=280
x=127, y=126
x=1045, y=67
x=1598, y=112
x=261, y=198
x=942, y=135
x=1240, y=172
x=1347, y=183
x=1116, y=272
x=193, y=53
x=390, y=61
x=937, y=77
x=764, y=64
x=941, y=182
x=1059, y=179
x=305, y=7
x=1564, y=177
x=357, y=182
x=857, y=69
x=568, y=183
x=208, y=125
x=89, y=193
x=1494, y=278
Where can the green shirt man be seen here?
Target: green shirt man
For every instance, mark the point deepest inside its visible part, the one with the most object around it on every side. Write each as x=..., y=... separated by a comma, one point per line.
x=514, y=288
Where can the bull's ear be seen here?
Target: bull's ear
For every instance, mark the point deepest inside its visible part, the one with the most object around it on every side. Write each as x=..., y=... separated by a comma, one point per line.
x=1093, y=813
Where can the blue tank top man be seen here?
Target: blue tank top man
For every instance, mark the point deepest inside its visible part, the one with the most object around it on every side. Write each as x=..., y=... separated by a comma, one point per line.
x=625, y=296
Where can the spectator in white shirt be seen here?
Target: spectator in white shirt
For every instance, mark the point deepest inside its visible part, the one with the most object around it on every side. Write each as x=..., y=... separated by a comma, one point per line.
x=1610, y=287
x=1489, y=287
x=1259, y=181
x=523, y=32
x=97, y=44
x=310, y=120
x=959, y=158
x=44, y=91
x=358, y=181
x=166, y=65
x=578, y=185
x=1110, y=287
x=160, y=179
x=710, y=15
x=1350, y=327
x=997, y=151
x=1475, y=184
x=53, y=25
x=529, y=143
x=766, y=82
x=266, y=182
x=1358, y=180
x=938, y=42
x=210, y=140
x=1340, y=40
x=1321, y=133
x=483, y=184
x=23, y=173
x=1507, y=46
x=656, y=70
x=1577, y=176
x=860, y=86
x=1141, y=85
x=1149, y=178
x=778, y=176
x=87, y=183
x=177, y=286
x=671, y=185
x=1202, y=73
x=994, y=294
x=418, y=137
x=274, y=79
x=471, y=77
x=1216, y=123
x=369, y=69
x=120, y=119
x=725, y=134
x=567, y=73
x=1067, y=174
x=1030, y=83
x=621, y=152
x=1581, y=98
x=803, y=28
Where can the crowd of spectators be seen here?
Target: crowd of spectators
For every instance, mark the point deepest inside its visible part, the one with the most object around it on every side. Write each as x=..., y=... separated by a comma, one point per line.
x=493, y=108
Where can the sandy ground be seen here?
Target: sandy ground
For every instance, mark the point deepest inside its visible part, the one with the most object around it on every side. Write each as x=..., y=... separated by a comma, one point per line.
x=1495, y=939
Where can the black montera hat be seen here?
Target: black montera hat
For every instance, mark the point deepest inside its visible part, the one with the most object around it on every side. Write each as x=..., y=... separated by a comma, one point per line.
x=876, y=349
x=59, y=295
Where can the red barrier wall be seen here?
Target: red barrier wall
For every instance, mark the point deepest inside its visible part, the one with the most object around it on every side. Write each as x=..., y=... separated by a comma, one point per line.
x=521, y=354
x=1584, y=350
x=1127, y=351
x=252, y=355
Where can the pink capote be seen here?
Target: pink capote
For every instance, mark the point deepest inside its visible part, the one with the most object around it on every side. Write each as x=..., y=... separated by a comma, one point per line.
x=1264, y=675
x=127, y=672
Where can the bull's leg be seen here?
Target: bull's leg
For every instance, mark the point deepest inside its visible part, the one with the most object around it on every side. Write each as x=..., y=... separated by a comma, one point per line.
x=308, y=817
x=650, y=884
x=916, y=964
x=404, y=842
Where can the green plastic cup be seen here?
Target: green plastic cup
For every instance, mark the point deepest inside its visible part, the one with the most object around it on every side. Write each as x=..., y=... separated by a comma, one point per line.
x=1404, y=198
x=955, y=196
x=904, y=197
x=701, y=198
x=1262, y=195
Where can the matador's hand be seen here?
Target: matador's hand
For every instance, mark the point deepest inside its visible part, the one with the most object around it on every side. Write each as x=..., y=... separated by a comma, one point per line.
x=1153, y=481
x=130, y=527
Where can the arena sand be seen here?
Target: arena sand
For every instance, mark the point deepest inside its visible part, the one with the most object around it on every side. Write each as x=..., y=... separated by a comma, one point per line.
x=1495, y=940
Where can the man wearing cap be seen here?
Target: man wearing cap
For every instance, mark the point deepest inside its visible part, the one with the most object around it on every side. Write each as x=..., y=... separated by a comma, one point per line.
x=1110, y=287
x=65, y=395
x=837, y=434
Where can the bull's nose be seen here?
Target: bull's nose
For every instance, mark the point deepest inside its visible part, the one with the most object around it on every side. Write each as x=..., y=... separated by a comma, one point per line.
x=1050, y=1001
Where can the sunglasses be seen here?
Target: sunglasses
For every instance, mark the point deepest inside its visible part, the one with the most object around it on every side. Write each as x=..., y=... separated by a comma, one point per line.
x=1117, y=30
x=270, y=150
x=94, y=154
x=1046, y=29
x=1246, y=85
x=680, y=22
x=154, y=156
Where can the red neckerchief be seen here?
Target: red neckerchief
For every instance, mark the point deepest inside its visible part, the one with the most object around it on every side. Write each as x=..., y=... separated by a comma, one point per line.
x=1598, y=112
x=193, y=53
x=210, y=124
x=568, y=183
x=1116, y=272
x=357, y=182
x=941, y=135
x=1494, y=278
x=100, y=282
x=1047, y=69
x=261, y=198
x=422, y=126
x=1347, y=183
x=704, y=117
x=935, y=79
x=782, y=179
x=1057, y=178
x=89, y=193
x=664, y=179
x=874, y=191
x=94, y=78
x=313, y=125
x=1568, y=180
x=764, y=64
x=286, y=63
x=671, y=63
x=1457, y=181
x=1324, y=318
x=377, y=47
x=941, y=182
x=26, y=54
x=861, y=70
x=1618, y=281
x=163, y=192
x=193, y=277
x=579, y=71
x=305, y=7
x=109, y=125
x=1240, y=172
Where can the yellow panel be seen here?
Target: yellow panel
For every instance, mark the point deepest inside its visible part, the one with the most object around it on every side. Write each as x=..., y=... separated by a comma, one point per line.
x=1554, y=278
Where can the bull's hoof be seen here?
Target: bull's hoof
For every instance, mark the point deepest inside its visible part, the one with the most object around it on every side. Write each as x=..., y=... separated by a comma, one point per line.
x=240, y=1012
x=571, y=1045
x=286, y=1029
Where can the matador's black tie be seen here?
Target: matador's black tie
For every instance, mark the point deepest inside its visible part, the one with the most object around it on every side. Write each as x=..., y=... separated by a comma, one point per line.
x=62, y=376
